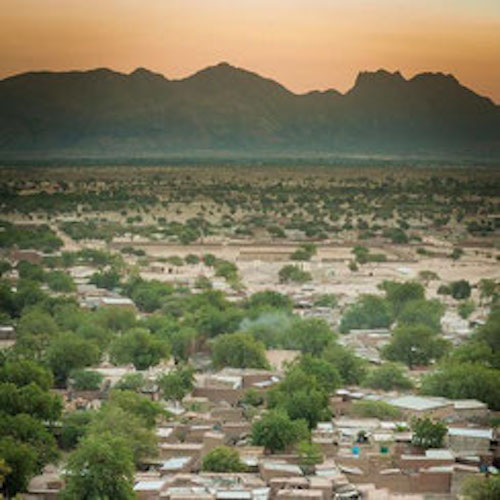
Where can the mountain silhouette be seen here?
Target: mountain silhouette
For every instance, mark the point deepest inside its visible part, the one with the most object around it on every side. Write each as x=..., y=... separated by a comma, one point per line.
x=222, y=108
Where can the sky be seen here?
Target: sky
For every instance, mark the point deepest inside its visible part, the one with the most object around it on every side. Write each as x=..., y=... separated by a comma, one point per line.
x=303, y=44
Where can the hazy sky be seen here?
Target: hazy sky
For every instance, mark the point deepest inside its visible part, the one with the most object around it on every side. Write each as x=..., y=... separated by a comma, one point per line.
x=304, y=44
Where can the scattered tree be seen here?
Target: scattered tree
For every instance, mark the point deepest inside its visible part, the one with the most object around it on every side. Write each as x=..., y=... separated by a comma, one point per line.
x=275, y=431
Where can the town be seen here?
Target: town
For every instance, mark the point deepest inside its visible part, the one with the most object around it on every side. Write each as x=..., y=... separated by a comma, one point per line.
x=250, y=333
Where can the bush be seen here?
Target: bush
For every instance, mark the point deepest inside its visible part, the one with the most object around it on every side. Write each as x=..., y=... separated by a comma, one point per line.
x=466, y=308
x=444, y=290
x=460, y=289
x=252, y=397
x=86, y=380
x=192, y=259
x=428, y=434
x=388, y=377
x=481, y=488
x=131, y=382
x=60, y=281
x=326, y=300
x=223, y=459
x=291, y=273
x=375, y=409
x=305, y=252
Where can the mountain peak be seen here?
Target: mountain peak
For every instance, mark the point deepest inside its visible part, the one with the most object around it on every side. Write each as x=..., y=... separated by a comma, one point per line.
x=446, y=78
x=225, y=75
x=379, y=77
x=145, y=73
x=222, y=69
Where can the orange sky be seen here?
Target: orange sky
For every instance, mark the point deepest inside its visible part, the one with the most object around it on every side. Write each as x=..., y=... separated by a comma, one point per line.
x=304, y=44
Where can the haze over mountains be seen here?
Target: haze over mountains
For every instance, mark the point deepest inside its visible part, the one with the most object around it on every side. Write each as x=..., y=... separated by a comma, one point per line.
x=226, y=109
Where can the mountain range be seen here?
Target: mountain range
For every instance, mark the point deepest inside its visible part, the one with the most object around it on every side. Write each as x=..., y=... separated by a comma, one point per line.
x=226, y=109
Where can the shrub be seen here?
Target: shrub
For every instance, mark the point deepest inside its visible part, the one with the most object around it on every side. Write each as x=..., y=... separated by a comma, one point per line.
x=86, y=380
x=291, y=273
x=375, y=409
x=388, y=377
x=223, y=459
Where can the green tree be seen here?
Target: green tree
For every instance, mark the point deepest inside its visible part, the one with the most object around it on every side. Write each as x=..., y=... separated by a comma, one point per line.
x=210, y=320
x=415, y=345
x=490, y=332
x=398, y=294
x=68, y=352
x=115, y=319
x=139, y=347
x=223, y=459
x=422, y=312
x=370, y=311
x=59, y=281
x=351, y=368
x=5, y=267
x=4, y=471
x=28, y=294
x=29, y=430
x=428, y=434
x=101, y=467
x=92, y=332
x=301, y=395
x=21, y=459
x=238, y=350
x=388, y=377
x=29, y=271
x=326, y=374
x=106, y=279
x=74, y=427
x=30, y=399
x=310, y=335
x=183, y=343
x=24, y=371
x=123, y=424
x=137, y=404
x=309, y=454
x=464, y=381
x=275, y=431
x=176, y=384
x=36, y=328
x=460, y=289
